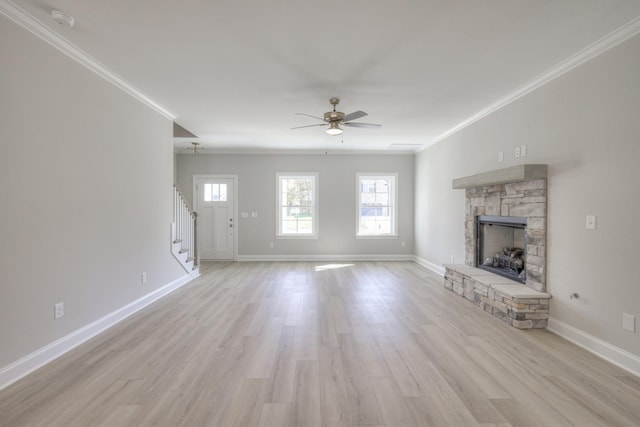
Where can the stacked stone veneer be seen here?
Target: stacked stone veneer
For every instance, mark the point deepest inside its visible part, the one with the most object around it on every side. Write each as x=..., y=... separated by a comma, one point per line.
x=526, y=199
x=511, y=302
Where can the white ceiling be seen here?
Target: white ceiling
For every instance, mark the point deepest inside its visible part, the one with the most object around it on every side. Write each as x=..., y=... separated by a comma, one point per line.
x=234, y=72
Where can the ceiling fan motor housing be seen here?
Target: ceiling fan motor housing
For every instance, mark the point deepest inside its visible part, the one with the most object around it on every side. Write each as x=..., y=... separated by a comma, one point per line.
x=333, y=116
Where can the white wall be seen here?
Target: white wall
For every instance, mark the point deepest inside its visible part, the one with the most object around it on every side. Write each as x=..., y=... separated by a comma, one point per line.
x=85, y=194
x=586, y=126
x=337, y=192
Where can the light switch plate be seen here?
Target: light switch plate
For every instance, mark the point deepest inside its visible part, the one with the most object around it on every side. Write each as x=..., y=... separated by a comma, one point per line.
x=628, y=322
x=254, y=214
x=590, y=223
x=523, y=150
x=244, y=214
x=501, y=156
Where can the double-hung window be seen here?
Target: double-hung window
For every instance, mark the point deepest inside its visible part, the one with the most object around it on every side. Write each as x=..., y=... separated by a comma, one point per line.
x=376, y=210
x=297, y=212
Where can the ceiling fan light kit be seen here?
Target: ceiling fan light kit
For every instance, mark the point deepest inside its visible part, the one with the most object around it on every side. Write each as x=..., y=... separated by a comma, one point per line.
x=336, y=118
x=334, y=129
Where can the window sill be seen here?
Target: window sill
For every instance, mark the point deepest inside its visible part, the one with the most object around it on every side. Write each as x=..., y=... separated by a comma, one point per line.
x=376, y=236
x=294, y=237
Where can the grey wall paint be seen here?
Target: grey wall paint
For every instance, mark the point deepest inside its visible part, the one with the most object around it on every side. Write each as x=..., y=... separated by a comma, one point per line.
x=337, y=192
x=585, y=126
x=85, y=188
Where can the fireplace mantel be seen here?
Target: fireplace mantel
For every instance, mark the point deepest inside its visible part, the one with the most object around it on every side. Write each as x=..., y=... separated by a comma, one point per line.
x=502, y=176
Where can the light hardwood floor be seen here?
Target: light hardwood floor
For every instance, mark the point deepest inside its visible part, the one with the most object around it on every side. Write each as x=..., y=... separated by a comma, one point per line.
x=299, y=344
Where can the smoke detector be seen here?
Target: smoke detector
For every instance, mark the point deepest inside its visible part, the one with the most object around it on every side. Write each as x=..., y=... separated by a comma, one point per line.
x=62, y=18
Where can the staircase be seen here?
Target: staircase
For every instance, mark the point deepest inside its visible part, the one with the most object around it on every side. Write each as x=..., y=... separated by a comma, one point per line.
x=184, y=234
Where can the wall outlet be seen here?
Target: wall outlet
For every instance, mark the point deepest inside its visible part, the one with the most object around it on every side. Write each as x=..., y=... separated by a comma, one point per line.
x=143, y=278
x=590, y=222
x=628, y=322
x=517, y=151
x=244, y=214
x=501, y=156
x=523, y=150
x=254, y=214
x=58, y=310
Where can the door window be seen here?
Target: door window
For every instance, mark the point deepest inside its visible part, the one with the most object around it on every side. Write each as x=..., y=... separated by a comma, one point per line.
x=215, y=192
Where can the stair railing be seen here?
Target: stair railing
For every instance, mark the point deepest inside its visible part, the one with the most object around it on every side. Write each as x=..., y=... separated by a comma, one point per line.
x=186, y=221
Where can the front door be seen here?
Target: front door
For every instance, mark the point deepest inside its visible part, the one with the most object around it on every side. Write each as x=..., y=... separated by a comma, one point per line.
x=216, y=226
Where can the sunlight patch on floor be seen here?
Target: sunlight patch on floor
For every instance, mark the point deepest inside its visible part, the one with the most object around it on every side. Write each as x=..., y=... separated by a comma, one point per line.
x=332, y=266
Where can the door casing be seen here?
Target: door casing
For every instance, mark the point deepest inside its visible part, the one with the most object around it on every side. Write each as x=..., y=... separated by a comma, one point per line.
x=235, y=204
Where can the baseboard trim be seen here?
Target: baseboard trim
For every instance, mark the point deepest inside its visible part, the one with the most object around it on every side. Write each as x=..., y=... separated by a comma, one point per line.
x=617, y=356
x=324, y=258
x=438, y=269
x=23, y=367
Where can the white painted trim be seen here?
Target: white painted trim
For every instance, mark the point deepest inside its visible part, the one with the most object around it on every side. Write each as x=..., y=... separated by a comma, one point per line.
x=325, y=258
x=281, y=152
x=395, y=178
x=19, y=369
x=605, y=43
x=33, y=25
x=194, y=203
x=315, y=207
x=438, y=269
x=617, y=356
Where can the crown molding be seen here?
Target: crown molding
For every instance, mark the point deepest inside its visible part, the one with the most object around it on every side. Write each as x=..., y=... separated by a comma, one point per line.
x=284, y=152
x=30, y=23
x=609, y=41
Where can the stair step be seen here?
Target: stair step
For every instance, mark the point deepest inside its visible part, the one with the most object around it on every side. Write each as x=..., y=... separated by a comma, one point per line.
x=183, y=250
x=190, y=259
x=177, y=241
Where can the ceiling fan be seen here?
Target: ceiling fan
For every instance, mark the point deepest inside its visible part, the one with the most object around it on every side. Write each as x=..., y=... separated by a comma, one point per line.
x=337, y=118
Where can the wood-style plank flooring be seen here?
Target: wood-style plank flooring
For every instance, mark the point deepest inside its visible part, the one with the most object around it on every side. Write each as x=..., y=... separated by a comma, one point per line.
x=311, y=344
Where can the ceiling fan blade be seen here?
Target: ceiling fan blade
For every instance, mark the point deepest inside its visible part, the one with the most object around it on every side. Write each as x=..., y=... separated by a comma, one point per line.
x=354, y=116
x=363, y=125
x=313, y=117
x=308, y=126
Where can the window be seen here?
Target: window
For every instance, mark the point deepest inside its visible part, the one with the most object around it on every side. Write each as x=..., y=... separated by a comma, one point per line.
x=215, y=192
x=376, y=209
x=297, y=205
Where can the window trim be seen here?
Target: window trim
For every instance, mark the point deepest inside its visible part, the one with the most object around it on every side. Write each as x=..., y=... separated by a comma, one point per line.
x=394, y=206
x=314, y=206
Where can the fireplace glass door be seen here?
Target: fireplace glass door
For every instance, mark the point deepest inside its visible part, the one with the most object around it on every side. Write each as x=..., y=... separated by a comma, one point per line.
x=502, y=246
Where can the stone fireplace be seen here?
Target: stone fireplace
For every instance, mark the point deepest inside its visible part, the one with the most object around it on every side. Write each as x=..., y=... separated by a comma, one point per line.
x=526, y=199
x=505, y=245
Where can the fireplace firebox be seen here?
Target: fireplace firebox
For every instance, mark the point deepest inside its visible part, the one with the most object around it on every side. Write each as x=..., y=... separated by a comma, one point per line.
x=502, y=246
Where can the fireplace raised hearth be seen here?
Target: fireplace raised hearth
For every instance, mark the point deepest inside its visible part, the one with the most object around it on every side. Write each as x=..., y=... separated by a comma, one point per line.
x=501, y=246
